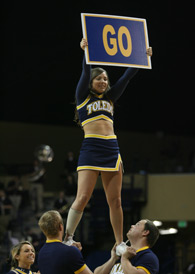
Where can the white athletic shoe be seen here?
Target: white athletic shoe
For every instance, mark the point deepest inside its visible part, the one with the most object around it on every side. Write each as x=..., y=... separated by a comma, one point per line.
x=121, y=248
x=69, y=241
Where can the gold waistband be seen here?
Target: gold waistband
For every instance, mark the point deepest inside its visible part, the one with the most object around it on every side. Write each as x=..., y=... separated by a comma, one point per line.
x=106, y=137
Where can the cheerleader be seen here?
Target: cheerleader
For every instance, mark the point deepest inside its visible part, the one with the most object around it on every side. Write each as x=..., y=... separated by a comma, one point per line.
x=99, y=153
x=23, y=256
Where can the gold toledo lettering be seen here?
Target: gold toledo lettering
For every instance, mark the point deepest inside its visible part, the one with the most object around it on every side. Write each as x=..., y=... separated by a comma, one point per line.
x=99, y=105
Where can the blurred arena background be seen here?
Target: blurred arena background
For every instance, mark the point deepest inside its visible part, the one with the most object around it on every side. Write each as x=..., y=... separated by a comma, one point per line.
x=41, y=65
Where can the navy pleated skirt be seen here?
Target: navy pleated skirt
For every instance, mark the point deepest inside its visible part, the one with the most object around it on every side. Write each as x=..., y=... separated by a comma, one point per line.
x=99, y=152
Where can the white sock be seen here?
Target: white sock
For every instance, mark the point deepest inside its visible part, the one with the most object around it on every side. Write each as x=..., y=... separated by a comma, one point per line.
x=74, y=217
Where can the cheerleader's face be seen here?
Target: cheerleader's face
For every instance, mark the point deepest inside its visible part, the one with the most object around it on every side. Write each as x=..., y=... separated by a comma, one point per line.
x=26, y=257
x=100, y=83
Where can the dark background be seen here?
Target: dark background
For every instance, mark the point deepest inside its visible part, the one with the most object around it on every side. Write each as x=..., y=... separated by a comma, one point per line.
x=41, y=64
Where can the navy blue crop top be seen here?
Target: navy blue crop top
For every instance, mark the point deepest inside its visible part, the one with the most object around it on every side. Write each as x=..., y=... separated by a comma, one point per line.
x=93, y=107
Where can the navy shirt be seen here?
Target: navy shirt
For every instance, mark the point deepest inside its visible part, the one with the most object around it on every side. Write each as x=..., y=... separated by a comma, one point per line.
x=94, y=108
x=145, y=259
x=56, y=257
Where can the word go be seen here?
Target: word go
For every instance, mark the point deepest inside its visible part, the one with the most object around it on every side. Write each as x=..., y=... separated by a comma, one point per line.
x=111, y=47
